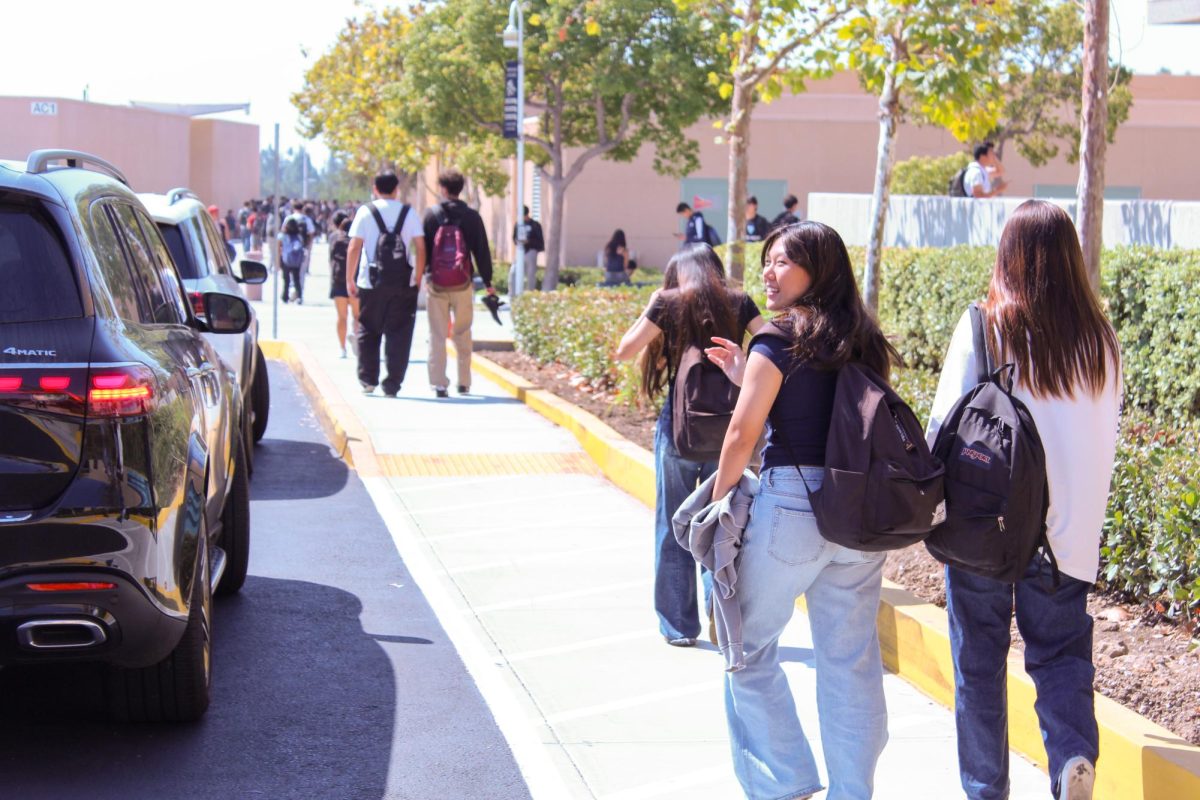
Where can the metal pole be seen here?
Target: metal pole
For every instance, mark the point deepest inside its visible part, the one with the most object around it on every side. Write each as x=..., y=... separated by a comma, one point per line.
x=519, y=255
x=303, y=173
x=271, y=245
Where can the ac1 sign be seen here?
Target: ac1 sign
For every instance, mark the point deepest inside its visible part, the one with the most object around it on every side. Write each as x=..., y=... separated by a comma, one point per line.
x=43, y=108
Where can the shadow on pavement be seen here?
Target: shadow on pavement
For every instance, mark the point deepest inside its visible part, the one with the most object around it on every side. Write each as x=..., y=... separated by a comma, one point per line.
x=303, y=706
x=296, y=470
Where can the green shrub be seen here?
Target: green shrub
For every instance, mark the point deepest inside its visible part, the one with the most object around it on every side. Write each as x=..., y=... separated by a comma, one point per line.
x=585, y=277
x=927, y=174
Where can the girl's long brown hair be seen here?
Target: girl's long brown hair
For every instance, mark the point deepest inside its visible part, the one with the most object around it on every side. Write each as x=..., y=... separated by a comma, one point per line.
x=830, y=324
x=701, y=305
x=1045, y=316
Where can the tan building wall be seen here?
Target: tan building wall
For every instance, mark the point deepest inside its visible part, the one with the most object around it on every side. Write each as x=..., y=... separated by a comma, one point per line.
x=156, y=151
x=825, y=141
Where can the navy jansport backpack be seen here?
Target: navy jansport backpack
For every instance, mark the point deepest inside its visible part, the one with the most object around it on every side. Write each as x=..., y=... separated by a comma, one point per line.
x=996, y=491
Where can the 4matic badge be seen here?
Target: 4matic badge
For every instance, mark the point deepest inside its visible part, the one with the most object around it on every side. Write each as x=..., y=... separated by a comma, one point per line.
x=18, y=351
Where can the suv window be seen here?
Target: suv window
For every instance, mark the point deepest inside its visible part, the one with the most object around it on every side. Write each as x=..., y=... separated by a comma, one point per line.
x=142, y=263
x=166, y=267
x=216, y=246
x=36, y=279
x=107, y=246
x=181, y=251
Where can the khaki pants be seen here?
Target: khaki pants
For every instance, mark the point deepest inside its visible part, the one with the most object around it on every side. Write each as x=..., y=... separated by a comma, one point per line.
x=441, y=306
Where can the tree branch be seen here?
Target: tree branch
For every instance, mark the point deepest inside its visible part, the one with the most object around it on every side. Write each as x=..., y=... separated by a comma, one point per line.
x=757, y=75
x=606, y=144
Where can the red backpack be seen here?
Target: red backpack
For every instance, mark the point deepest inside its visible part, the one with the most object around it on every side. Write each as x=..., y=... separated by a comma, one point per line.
x=450, y=264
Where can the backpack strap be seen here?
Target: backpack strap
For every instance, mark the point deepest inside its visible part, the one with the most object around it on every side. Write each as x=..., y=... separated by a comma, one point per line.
x=400, y=220
x=378, y=218
x=983, y=358
x=439, y=212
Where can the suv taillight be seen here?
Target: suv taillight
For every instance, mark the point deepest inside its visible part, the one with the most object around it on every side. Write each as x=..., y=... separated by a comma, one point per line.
x=101, y=390
x=120, y=390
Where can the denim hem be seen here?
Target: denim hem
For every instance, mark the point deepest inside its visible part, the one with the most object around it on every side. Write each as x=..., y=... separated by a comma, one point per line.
x=802, y=793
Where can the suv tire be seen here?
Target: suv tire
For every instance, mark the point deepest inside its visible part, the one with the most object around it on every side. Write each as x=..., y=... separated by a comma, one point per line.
x=178, y=688
x=235, y=527
x=260, y=394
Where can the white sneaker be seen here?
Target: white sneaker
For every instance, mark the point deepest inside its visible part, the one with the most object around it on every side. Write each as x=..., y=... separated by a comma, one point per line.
x=367, y=388
x=1077, y=779
x=343, y=352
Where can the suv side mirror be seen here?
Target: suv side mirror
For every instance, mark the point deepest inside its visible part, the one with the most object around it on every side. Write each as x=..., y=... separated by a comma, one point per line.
x=251, y=271
x=225, y=313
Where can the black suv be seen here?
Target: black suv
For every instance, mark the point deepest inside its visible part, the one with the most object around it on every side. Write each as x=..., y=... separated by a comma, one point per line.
x=124, y=501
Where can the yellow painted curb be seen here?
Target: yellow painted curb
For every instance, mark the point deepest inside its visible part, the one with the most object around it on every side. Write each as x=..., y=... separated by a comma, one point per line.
x=1139, y=760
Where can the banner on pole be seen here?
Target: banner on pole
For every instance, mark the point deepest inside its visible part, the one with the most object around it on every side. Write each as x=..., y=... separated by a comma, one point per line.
x=511, y=102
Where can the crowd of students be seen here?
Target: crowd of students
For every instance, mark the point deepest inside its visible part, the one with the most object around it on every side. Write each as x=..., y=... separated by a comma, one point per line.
x=1041, y=316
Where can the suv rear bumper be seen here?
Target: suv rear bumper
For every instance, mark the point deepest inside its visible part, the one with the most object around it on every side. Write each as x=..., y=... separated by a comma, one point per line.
x=120, y=626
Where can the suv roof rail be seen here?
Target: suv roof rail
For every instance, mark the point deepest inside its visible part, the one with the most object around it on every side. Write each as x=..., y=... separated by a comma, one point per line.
x=178, y=193
x=39, y=162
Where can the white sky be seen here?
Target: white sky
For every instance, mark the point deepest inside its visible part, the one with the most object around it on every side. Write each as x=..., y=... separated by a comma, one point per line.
x=237, y=51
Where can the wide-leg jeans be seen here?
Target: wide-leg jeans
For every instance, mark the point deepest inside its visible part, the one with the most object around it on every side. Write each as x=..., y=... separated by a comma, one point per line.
x=1058, y=657
x=784, y=556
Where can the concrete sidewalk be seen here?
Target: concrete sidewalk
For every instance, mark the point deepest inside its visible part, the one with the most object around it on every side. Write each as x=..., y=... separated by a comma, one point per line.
x=540, y=571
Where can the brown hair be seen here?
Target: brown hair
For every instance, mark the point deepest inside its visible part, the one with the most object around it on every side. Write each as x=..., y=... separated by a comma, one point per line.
x=700, y=305
x=1044, y=314
x=830, y=324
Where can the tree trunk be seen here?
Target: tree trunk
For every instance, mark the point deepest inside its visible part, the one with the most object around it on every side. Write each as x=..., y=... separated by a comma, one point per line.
x=1092, y=142
x=739, y=168
x=557, y=188
x=889, y=107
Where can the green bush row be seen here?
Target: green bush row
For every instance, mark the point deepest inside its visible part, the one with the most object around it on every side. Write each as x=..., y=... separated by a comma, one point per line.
x=584, y=277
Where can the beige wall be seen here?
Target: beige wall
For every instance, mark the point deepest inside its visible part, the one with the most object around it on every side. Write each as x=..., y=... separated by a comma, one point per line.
x=156, y=151
x=825, y=141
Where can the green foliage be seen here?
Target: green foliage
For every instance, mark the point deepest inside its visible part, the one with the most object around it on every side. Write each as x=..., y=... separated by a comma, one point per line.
x=927, y=174
x=582, y=277
x=335, y=182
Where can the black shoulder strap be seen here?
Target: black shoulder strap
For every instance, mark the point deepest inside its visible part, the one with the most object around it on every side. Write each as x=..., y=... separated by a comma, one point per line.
x=378, y=218
x=983, y=358
x=440, y=213
x=400, y=220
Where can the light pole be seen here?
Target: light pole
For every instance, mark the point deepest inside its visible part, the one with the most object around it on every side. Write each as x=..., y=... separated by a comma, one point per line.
x=514, y=36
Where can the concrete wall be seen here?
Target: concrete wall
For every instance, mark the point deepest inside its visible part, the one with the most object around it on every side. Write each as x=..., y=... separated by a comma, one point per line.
x=947, y=221
x=825, y=141
x=156, y=151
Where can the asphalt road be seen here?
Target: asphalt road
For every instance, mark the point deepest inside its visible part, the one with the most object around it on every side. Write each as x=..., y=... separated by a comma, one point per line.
x=332, y=677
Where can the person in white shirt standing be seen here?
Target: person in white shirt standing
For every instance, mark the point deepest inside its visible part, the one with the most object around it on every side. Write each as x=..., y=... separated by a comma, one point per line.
x=984, y=177
x=384, y=264
x=1042, y=315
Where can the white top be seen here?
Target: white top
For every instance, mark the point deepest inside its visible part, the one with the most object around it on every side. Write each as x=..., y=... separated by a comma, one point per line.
x=976, y=175
x=1079, y=435
x=364, y=227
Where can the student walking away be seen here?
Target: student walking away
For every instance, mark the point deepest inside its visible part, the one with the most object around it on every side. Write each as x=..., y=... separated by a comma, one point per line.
x=291, y=258
x=788, y=384
x=696, y=229
x=457, y=237
x=230, y=250
x=757, y=226
x=983, y=177
x=339, y=246
x=616, y=260
x=693, y=305
x=243, y=226
x=385, y=260
x=789, y=215
x=535, y=242
x=1043, y=323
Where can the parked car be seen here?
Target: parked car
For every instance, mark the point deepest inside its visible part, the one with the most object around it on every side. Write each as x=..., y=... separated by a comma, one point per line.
x=203, y=261
x=124, y=495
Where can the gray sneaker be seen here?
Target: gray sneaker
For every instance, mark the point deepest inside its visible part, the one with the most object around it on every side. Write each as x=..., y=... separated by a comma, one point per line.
x=1077, y=779
x=682, y=641
x=367, y=388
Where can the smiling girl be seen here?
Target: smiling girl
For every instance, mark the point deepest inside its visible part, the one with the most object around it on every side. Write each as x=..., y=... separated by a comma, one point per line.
x=788, y=384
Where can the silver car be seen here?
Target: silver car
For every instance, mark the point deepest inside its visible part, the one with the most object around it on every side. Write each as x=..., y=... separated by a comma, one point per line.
x=204, y=263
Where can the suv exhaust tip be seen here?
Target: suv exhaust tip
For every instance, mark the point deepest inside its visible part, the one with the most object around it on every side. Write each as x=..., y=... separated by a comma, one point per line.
x=60, y=634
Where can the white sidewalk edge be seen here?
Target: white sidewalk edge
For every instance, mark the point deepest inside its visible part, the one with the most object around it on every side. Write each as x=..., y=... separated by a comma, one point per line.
x=531, y=754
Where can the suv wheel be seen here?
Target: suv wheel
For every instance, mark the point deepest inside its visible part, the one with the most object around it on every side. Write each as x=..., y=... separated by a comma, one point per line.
x=235, y=527
x=176, y=689
x=260, y=394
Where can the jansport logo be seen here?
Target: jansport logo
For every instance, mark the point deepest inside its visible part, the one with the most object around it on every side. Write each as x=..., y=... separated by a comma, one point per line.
x=17, y=351
x=970, y=454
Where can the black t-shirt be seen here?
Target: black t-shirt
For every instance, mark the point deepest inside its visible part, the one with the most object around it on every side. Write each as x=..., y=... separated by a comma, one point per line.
x=798, y=424
x=662, y=313
x=757, y=228
x=784, y=219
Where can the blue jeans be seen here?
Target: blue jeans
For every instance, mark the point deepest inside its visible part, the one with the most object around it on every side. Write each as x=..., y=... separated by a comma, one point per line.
x=675, y=598
x=1058, y=657
x=784, y=556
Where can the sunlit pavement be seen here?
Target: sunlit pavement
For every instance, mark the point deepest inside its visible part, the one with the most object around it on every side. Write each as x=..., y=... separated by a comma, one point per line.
x=540, y=571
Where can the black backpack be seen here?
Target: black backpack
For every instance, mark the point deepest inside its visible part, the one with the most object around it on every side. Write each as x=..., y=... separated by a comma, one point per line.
x=702, y=405
x=390, y=266
x=996, y=491
x=956, y=187
x=882, y=488
x=711, y=236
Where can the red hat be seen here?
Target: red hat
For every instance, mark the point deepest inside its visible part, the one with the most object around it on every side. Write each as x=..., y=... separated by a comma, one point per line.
x=213, y=210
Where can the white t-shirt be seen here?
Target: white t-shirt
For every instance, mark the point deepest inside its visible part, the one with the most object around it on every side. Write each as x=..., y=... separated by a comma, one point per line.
x=364, y=227
x=1079, y=435
x=976, y=175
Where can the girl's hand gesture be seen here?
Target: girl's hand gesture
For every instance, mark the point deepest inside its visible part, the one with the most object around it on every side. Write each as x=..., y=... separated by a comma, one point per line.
x=729, y=357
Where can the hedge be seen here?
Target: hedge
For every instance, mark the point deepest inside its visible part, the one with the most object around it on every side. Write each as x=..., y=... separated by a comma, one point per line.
x=1151, y=537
